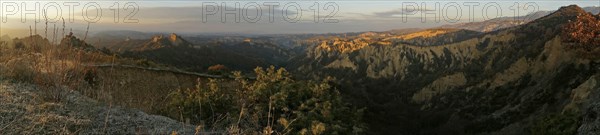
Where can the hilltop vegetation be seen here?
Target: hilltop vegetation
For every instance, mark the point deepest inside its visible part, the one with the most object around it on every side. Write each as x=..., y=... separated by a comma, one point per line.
x=43, y=89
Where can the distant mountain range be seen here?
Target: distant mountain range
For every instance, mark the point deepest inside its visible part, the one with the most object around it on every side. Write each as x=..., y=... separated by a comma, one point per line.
x=197, y=56
x=506, y=22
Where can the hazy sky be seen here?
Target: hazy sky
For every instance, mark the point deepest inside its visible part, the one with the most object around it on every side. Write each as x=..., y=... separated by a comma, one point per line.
x=265, y=17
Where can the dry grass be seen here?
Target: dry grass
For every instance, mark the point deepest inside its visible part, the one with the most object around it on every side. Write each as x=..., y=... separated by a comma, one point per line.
x=141, y=89
x=57, y=69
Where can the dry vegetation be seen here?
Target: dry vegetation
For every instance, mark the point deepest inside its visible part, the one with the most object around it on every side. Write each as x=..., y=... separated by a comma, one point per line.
x=584, y=34
x=35, y=60
x=57, y=73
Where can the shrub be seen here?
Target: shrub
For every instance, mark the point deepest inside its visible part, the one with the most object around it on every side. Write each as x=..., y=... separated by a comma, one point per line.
x=584, y=35
x=557, y=124
x=218, y=69
x=20, y=69
x=272, y=103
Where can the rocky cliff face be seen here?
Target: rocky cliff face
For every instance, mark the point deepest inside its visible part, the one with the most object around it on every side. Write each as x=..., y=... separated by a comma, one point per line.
x=161, y=41
x=515, y=80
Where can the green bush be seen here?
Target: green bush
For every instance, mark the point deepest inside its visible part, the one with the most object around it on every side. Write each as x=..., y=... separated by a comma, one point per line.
x=273, y=103
x=557, y=124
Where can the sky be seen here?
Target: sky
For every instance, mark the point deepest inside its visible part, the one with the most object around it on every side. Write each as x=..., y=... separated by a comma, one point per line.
x=263, y=17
